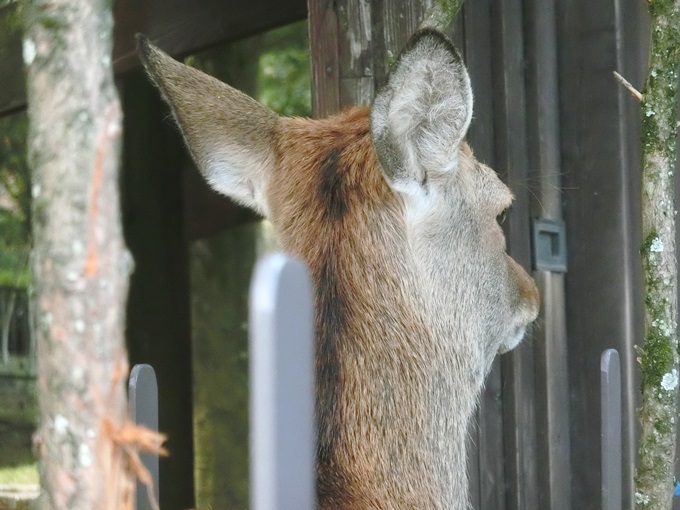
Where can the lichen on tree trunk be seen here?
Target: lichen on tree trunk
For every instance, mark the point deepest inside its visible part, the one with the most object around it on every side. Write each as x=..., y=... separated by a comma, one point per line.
x=79, y=262
x=658, y=356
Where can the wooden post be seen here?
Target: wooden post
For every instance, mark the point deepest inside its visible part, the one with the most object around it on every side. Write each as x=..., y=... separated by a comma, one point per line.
x=610, y=400
x=553, y=449
x=158, y=328
x=352, y=45
x=282, y=439
x=143, y=404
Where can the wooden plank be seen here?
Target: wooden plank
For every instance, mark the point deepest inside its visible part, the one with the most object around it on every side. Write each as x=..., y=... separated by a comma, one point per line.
x=550, y=335
x=473, y=464
x=395, y=21
x=477, y=48
x=400, y=20
x=552, y=395
x=610, y=388
x=491, y=474
x=282, y=366
x=512, y=162
x=179, y=27
x=357, y=83
x=598, y=125
x=143, y=402
x=324, y=42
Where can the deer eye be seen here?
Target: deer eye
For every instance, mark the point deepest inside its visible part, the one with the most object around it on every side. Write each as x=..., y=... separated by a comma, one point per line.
x=502, y=216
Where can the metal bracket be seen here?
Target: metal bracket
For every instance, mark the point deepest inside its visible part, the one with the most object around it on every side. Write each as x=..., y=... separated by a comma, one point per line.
x=549, y=240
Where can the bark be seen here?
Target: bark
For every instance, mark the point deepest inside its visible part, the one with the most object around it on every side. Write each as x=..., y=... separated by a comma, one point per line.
x=79, y=265
x=658, y=356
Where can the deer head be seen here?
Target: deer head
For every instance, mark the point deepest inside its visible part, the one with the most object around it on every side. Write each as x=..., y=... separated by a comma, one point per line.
x=397, y=220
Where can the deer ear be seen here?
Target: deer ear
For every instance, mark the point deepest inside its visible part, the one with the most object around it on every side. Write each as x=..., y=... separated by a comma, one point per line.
x=420, y=117
x=229, y=134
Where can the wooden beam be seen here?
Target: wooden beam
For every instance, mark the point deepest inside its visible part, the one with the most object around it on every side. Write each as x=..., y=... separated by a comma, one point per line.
x=512, y=162
x=179, y=27
x=13, y=82
x=550, y=334
x=158, y=327
x=600, y=164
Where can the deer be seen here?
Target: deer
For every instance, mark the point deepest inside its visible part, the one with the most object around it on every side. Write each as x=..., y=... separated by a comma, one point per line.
x=415, y=293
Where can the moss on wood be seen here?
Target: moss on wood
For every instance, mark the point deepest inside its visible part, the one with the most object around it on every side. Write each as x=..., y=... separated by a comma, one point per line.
x=658, y=356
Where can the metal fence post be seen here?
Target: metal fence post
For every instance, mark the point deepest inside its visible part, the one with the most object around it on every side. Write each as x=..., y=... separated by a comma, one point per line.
x=282, y=437
x=143, y=402
x=610, y=377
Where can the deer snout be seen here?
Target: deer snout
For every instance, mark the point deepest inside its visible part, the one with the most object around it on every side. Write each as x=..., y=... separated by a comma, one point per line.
x=525, y=308
x=528, y=292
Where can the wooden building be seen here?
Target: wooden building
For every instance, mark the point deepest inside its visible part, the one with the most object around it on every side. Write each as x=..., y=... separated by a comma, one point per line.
x=549, y=117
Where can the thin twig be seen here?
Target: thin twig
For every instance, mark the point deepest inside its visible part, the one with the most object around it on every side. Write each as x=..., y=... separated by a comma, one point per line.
x=132, y=438
x=634, y=92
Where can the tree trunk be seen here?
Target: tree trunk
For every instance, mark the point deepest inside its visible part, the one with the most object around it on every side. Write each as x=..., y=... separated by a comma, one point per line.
x=80, y=265
x=659, y=355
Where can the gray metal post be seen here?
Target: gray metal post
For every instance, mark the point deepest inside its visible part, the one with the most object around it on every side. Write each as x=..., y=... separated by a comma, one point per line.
x=143, y=402
x=610, y=374
x=282, y=437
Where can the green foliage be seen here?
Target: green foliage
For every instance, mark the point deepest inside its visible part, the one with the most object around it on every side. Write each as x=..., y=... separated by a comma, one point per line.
x=657, y=352
x=283, y=82
x=11, y=22
x=450, y=7
x=661, y=8
x=13, y=252
x=23, y=474
x=15, y=202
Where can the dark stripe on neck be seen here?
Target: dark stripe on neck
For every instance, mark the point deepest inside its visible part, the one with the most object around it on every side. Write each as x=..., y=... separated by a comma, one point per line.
x=331, y=322
x=331, y=189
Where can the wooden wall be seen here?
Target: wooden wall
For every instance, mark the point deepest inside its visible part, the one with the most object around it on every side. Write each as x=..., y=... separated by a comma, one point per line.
x=599, y=142
x=555, y=125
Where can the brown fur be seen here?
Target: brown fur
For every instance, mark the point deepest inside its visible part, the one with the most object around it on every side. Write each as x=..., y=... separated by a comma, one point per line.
x=328, y=185
x=414, y=292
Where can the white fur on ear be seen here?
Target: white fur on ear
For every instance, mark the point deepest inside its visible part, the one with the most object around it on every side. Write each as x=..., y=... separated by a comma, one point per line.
x=230, y=135
x=420, y=117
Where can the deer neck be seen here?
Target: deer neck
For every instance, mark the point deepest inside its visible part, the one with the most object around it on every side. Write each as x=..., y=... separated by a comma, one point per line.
x=391, y=413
